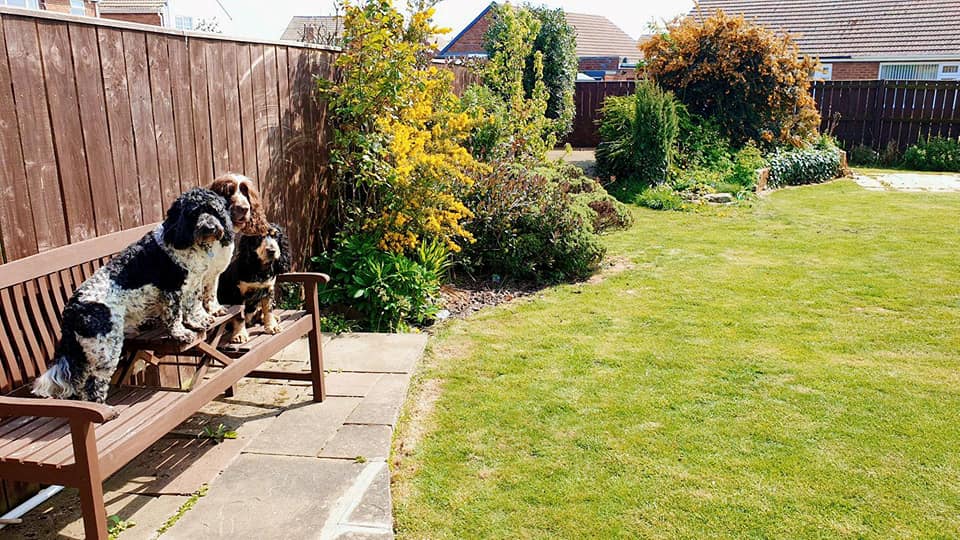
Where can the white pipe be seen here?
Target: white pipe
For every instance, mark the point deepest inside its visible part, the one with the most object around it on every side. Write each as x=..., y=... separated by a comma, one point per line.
x=31, y=503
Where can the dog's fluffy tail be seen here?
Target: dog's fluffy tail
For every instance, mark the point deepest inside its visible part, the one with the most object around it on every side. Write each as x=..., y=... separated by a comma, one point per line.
x=55, y=382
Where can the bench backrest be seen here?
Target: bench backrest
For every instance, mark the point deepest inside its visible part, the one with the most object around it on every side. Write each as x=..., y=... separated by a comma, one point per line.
x=33, y=291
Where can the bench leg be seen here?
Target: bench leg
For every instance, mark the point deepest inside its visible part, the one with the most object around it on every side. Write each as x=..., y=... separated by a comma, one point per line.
x=91, y=489
x=315, y=339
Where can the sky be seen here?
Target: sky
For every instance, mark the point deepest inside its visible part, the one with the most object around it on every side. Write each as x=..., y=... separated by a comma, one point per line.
x=266, y=20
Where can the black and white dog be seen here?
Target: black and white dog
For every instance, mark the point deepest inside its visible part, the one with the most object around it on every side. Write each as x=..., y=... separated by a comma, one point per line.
x=250, y=279
x=160, y=278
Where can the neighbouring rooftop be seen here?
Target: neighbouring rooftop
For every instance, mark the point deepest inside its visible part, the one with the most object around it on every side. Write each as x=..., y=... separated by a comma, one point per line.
x=856, y=29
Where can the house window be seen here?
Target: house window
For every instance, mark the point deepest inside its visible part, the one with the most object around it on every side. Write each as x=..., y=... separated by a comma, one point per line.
x=909, y=72
x=184, y=23
x=77, y=7
x=950, y=72
x=825, y=73
x=32, y=4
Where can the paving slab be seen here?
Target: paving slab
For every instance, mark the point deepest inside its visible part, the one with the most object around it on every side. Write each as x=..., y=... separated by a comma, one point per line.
x=347, y=384
x=376, y=353
x=303, y=430
x=353, y=441
x=184, y=460
x=266, y=497
x=60, y=516
x=375, y=508
x=382, y=405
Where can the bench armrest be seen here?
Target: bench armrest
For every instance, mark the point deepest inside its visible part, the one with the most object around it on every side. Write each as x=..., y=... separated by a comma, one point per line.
x=57, y=408
x=304, y=277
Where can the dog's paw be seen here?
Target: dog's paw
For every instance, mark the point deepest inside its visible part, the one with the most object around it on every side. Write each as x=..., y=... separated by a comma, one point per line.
x=272, y=327
x=183, y=335
x=241, y=337
x=216, y=310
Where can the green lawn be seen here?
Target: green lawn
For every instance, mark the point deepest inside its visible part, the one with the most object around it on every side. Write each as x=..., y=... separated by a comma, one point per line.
x=787, y=370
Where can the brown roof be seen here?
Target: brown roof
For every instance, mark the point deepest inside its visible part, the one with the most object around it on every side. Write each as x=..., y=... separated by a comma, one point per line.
x=326, y=25
x=132, y=6
x=598, y=36
x=876, y=29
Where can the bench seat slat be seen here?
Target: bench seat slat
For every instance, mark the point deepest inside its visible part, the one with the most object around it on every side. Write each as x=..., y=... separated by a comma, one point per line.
x=257, y=334
x=121, y=399
x=51, y=444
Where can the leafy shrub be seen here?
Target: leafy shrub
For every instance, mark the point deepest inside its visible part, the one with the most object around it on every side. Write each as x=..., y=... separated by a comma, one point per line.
x=661, y=197
x=891, y=156
x=527, y=228
x=388, y=291
x=751, y=81
x=803, y=167
x=655, y=132
x=557, y=40
x=639, y=146
x=700, y=143
x=863, y=155
x=614, y=154
x=745, y=164
x=491, y=128
x=588, y=197
x=935, y=154
x=510, y=40
x=545, y=33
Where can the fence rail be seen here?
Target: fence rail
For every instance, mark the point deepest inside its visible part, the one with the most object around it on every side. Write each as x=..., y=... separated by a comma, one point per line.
x=873, y=113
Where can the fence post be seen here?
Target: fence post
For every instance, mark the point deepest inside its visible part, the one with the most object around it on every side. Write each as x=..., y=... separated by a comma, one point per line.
x=877, y=111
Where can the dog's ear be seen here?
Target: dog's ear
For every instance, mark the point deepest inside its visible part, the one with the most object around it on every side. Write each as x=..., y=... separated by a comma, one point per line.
x=221, y=207
x=258, y=219
x=282, y=265
x=176, y=231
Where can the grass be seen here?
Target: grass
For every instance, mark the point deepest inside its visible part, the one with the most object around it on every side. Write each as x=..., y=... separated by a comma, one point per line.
x=788, y=370
x=184, y=508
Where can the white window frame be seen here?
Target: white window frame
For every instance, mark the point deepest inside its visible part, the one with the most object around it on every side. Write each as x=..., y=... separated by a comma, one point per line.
x=825, y=73
x=78, y=7
x=938, y=73
x=179, y=20
x=28, y=4
x=954, y=75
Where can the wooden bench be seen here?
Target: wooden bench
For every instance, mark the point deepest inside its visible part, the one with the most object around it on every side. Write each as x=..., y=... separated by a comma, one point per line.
x=80, y=444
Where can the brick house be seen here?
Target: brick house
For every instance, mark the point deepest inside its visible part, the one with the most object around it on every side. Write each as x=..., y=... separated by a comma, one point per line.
x=322, y=29
x=85, y=8
x=604, y=50
x=863, y=39
x=177, y=14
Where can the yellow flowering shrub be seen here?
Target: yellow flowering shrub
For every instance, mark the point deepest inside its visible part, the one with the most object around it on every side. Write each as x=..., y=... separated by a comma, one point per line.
x=397, y=152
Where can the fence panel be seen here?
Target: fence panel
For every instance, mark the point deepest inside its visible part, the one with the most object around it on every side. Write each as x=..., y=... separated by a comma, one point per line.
x=873, y=113
x=588, y=100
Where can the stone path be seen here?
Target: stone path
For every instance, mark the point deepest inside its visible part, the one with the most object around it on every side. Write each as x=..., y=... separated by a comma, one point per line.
x=297, y=469
x=907, y=181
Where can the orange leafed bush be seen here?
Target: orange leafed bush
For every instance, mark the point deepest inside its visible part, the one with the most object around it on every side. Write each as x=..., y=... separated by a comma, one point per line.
x=755, y=83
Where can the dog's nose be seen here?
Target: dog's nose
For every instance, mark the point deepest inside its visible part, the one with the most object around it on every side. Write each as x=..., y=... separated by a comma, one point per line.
x=239, y=213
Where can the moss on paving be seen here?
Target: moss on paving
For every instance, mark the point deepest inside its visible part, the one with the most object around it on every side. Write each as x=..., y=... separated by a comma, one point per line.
x=787, y=370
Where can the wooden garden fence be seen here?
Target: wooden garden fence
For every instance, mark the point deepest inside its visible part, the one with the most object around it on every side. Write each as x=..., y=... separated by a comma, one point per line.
x=873, y=113
x=103, y=124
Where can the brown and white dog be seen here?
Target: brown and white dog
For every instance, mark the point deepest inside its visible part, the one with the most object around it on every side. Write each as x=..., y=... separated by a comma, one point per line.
x=249, y=219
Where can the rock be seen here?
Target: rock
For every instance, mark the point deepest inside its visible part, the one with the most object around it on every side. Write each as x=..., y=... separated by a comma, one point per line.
x=719, y=198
